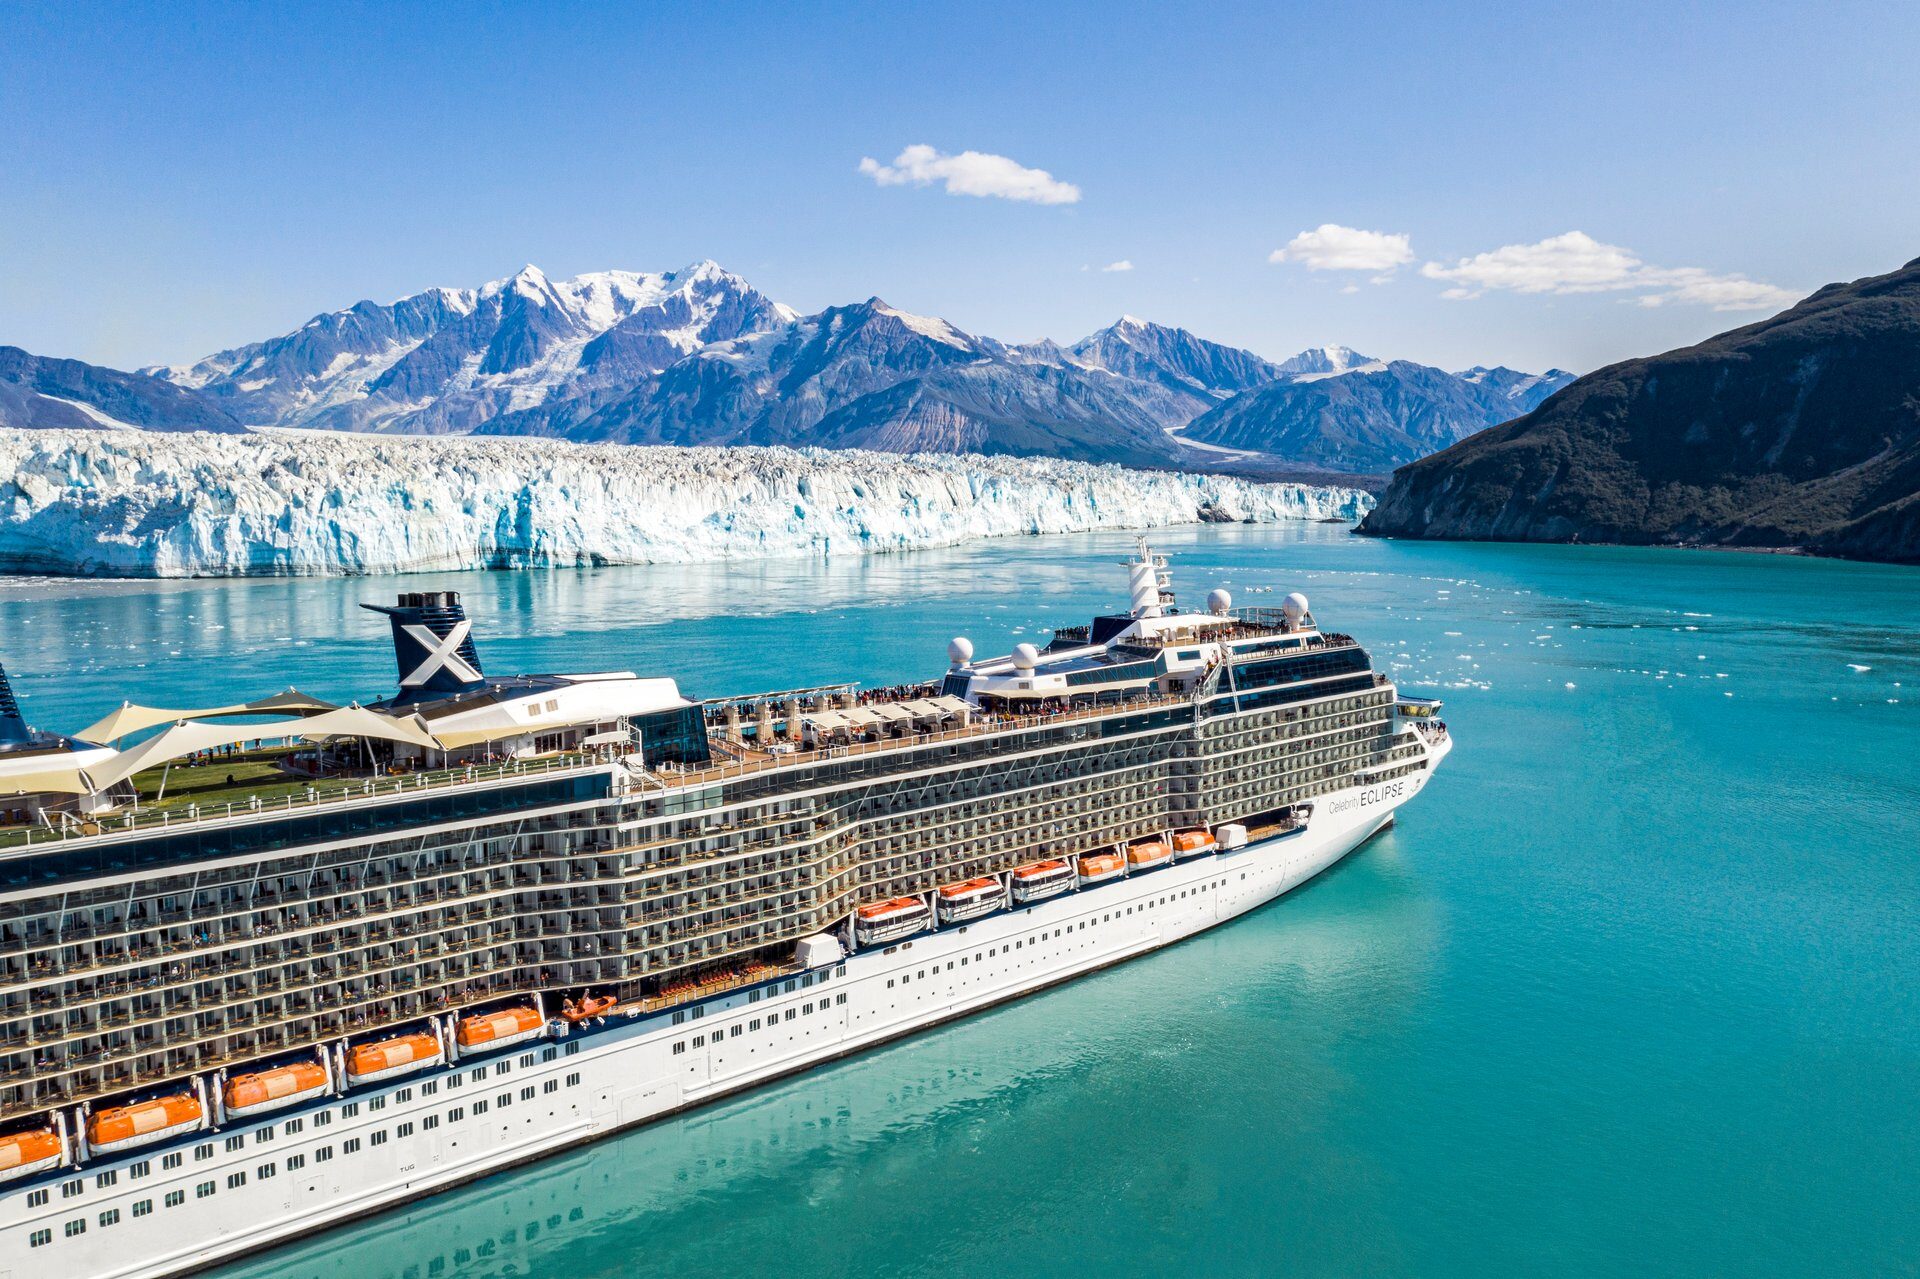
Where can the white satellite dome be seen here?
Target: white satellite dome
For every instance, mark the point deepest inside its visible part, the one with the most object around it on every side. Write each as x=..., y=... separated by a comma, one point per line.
x=960, y=650
x=1219, y=601
x=1026, y=656
x=1294, y=606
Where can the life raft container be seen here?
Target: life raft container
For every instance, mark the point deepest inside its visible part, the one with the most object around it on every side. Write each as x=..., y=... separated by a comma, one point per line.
x=142, y=1123
x=24, y=1153
x=388, y=1058
x=483, y=1032
x=261, y=1091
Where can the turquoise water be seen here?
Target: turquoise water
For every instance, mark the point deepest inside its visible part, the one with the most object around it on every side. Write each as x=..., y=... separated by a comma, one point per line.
x=1631, y=989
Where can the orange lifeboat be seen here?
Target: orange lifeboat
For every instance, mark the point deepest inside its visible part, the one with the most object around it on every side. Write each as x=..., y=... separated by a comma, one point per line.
x=1041, y=880
x=588, y=1008
x=1147, y=855
x=503, y=1029
x=1098, y=868
x=24, y=1153
x=970, y=899
x=274, y=1089
x=144, y=1122
x=386, y=1058
x=1193, y=843
x=880, y=922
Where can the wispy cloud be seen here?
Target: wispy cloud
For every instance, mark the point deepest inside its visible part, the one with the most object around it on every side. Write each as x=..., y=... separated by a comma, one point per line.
x=1124, y=264
x=1577, y=263
x=1332, y=247
x=971, y=173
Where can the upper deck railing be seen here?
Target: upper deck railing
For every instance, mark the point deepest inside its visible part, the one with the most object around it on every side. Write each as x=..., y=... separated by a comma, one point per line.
x=293, y=794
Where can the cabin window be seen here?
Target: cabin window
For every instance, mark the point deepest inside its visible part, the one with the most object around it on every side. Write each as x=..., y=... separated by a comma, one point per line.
x=807, y=1009
x=110, y=1217
x=502, y=1067
x=265, y=1171
x=294, y=1126
x=698, y=1013
x=699, y=1041
x=39, y=1237
x=753, y=997
x=106, y=1179
x=839, y=999
x=175, y=1198
x=378, y=1103
x=378, y=1139
x=479, y=1108
x=204, y=1189
x=323, y=1154
x=296, y=1162
x=69, y=1189
x=235, y=1143
x=552, y=1085
x=526, y=1094
x=405, y=1094
x=573, y=1079
x=351, y=1146
x=236, y=1180
x=140, y=1169
x=680, y=1047
x=571, y=1049
x=478, y=1074
x=38, y=1199
x=504, y=1100
x=734, y=1031
x=527, y=1060
x=404, y=1130
x=322, y=1119
x=76, y=1227
x=349, y=1110
x=455, y=1115
x=141, y=1207
x=790, y=1014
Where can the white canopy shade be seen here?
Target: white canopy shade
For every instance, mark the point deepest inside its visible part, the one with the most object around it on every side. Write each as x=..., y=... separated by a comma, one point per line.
x=185, y=738
x=129, y=718
x=861, y=717
x=890, y=711
x=825, y=721
x=50, y=778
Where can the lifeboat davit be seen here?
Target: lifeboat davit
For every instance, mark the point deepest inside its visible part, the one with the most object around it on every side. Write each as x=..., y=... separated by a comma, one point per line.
x=886, y=921
x=1098, y=868
x=387, y=1058
x=24, y=1153
x=144, y=1122
x=957, y=903
x=1041, y=881
x=1147, y=855
x=260, y=1091
x=588, y=1008
x=1193, y=843
x=484, y=1032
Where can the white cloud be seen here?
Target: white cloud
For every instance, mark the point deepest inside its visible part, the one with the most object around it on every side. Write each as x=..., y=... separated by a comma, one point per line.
x=1578, y=263
x=971, y=173
x=1122, y=265
x=1332, y=247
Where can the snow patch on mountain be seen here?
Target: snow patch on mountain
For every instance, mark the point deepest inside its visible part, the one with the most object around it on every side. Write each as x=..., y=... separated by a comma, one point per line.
x=305, y=503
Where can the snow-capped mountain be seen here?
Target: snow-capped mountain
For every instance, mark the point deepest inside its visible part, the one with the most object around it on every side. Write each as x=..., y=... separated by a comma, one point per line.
x=699, y=356
x=37, y=392
x=1201, y=371
x=450, y=360
x=295, y=503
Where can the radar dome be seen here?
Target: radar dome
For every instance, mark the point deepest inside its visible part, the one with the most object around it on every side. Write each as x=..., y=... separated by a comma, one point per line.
x=1026, y=656
x=1294, y=606
x=960, y=649
x=1218, y=601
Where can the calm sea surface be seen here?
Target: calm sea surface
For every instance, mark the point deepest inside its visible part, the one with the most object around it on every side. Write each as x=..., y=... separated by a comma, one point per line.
x=1633, y=988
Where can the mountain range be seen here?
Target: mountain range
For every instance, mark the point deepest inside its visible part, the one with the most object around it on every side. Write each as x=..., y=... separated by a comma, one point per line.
x=699, y=356
x=1800, y=432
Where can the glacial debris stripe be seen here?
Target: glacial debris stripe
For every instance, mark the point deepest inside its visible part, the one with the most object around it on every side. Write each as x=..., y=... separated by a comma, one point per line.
x=284, y=503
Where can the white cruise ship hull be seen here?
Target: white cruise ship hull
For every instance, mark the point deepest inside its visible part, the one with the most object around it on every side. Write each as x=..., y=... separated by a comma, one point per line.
x=636, y=1070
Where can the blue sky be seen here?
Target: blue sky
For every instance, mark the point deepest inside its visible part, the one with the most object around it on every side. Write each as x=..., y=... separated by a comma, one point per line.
x=178, y=179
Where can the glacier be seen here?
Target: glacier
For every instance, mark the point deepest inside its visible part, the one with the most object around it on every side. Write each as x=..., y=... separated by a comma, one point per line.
x=319, y=503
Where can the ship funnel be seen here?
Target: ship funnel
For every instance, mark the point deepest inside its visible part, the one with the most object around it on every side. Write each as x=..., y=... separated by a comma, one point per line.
x=13, y=726
x=433, y=644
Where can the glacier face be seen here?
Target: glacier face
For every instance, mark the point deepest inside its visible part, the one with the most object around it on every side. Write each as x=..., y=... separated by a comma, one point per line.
x=122, y=503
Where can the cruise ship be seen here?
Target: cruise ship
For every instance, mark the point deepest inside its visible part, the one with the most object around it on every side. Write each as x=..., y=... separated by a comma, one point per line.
x=271, y=966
